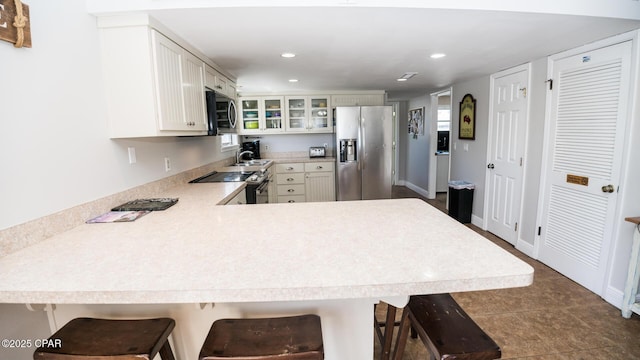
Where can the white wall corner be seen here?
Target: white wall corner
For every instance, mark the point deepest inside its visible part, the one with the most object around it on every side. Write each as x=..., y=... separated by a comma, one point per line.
x=417, y=189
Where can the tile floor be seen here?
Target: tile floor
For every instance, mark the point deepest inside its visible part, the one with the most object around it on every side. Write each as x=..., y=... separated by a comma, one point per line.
x=553, y=319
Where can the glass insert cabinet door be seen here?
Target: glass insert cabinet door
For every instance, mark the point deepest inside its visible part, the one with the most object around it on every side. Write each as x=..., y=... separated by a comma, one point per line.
x=319, y=113
x=250, y=114
x=273, y=110
x=296, y=114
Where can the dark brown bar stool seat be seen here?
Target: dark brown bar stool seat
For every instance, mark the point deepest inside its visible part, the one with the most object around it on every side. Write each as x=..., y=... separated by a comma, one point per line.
x=100, y=339
x=446, y=330
x=283, y=338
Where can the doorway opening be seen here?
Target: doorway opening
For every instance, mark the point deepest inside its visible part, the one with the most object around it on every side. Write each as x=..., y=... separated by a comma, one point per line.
x=440, y=142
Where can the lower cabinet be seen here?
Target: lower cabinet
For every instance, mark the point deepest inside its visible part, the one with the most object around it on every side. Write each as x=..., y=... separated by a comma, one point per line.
x=290, y=182
x=240, y=199
x=320, y=182
x=305, y=182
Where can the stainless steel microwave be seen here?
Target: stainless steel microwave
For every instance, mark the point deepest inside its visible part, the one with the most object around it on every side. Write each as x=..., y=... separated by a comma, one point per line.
x=222, y=114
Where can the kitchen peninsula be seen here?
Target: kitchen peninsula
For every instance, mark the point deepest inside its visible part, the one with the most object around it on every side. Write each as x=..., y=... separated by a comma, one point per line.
x=198, y=261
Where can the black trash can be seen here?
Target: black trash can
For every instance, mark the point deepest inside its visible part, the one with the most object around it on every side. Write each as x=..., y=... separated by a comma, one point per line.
x=461, y=200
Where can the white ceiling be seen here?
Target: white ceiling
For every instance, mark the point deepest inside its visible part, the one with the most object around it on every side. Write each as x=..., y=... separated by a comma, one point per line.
x=367, y=48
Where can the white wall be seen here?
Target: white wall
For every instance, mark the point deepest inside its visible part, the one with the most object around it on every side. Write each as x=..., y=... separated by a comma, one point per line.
x=533, y=155
x=54, y=146
x=470, y=164
x=415, y=152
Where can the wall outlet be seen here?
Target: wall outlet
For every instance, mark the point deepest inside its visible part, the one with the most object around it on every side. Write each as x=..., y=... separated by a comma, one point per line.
x=132, y=155
x=267, y=147
x=466, y=147
x=167, y=164
x=326, y=145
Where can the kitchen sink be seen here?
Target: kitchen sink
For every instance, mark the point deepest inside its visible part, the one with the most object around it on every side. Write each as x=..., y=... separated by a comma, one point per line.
x=253, y=163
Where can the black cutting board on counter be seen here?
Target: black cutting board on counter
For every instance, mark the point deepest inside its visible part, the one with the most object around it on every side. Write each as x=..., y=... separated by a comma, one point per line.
x=147, y=204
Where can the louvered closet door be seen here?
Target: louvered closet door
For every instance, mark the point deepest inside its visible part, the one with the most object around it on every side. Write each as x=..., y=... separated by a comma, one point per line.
x=585, y=140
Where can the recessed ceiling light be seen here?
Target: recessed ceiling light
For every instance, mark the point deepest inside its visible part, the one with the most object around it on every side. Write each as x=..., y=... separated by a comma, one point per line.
x=438, y=55
x=293, y=80
x=401, y=79
x=288, y=55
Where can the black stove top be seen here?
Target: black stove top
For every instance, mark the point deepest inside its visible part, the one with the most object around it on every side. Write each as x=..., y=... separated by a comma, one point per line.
x=234, y=176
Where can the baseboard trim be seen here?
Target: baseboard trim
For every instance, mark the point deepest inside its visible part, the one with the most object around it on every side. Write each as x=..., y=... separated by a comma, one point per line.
x=417, y=189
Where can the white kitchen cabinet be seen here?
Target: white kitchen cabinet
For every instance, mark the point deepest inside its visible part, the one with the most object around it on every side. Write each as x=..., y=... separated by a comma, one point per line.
x=357, y=100
x=180, y=86
x=262, y=115
x=290, y=185
x=308, y=114
x=154, y=87
x=320, y=182
x=240, y=199
x=305, y=181
x=219, y=83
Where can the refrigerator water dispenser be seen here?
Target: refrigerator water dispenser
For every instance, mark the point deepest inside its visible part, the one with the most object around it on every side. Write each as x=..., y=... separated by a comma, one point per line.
x=348, y=150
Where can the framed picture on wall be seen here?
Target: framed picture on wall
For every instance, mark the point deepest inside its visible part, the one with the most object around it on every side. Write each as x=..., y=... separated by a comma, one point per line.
x=416, y=122
x=467, y=121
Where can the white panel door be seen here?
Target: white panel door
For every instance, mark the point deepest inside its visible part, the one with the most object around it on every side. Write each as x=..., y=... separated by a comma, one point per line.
x=506, y=152
x=588, y=116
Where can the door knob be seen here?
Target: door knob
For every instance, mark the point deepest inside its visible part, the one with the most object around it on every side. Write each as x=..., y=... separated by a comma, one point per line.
x=608, y=188
x=490, y=166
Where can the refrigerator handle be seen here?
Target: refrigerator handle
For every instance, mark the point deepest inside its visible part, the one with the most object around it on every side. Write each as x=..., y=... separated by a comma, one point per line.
x=362, y=145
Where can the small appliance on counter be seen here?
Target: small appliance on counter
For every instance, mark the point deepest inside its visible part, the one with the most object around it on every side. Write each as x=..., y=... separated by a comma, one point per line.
x=317, y=152
x=254, y=147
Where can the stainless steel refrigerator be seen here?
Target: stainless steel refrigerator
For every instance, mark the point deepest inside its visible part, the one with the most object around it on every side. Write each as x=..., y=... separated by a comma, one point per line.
x=364, y=136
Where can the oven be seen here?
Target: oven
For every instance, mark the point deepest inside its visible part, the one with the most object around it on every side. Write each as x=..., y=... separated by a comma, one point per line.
x=258, y=188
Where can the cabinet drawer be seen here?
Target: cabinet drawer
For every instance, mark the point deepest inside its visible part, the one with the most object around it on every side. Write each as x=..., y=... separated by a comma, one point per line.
x=318, y=166
x=297, y=189
x=294, y=178
x=291, y=199
x=289, y=168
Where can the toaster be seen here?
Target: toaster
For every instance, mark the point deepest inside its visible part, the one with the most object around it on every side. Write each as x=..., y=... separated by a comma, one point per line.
x=317, y=151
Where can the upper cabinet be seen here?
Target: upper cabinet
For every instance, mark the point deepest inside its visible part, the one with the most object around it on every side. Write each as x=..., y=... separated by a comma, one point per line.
x=219, y=83
x=308, y=114
x=357, y=100
x=179, y=80
x=285, y=114
x=298, y=114
x=155, y=86
x=262, y=115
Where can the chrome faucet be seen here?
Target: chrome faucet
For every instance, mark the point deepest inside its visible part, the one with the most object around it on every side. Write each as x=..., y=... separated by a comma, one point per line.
x=239, y=155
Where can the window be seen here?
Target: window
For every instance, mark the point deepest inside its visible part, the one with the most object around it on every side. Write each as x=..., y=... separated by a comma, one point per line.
x=228, y=142
x=444, y=118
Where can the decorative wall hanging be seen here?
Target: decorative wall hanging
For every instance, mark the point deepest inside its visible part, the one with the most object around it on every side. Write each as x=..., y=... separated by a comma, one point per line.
x=467, y=122
x=416, y=122
x=14, y=23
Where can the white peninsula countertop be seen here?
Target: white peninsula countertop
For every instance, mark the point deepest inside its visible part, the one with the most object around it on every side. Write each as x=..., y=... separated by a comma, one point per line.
x=333, y=259
x=197, y=251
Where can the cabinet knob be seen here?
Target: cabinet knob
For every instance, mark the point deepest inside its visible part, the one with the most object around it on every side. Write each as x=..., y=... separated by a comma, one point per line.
x=318, y=167
x=291, y=190
x=289, y=179
x=289, y=168
x=291, y=201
